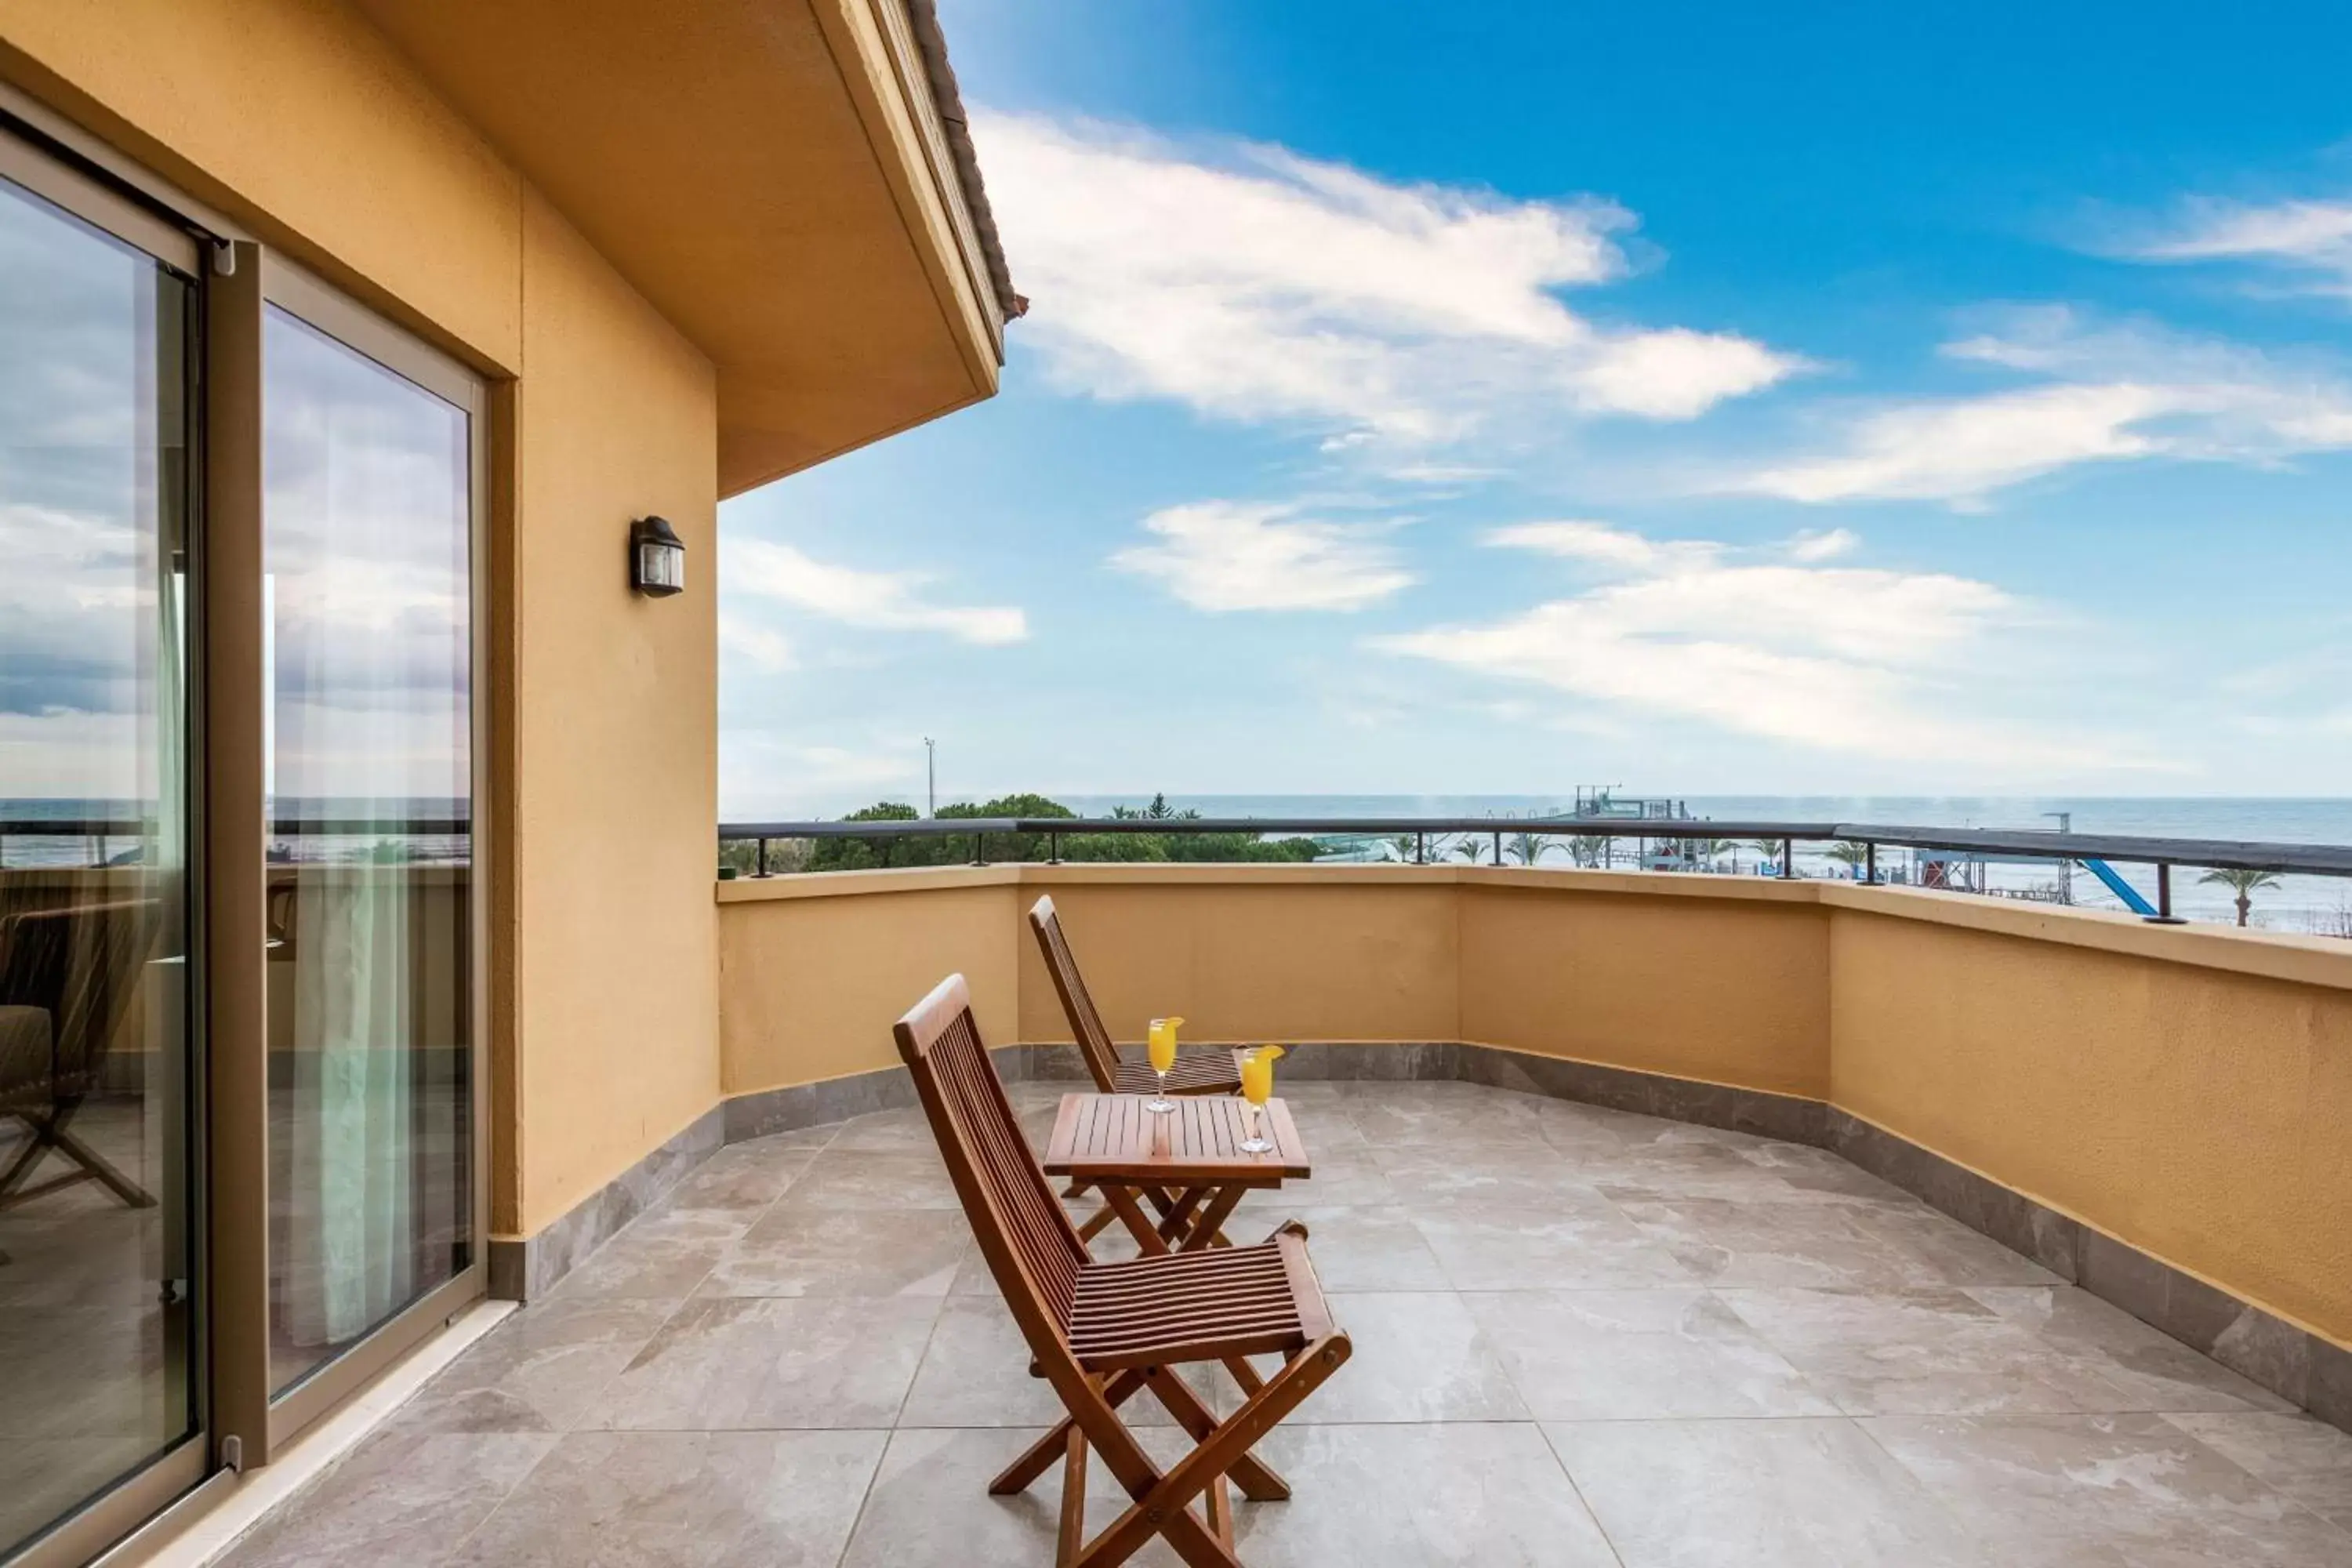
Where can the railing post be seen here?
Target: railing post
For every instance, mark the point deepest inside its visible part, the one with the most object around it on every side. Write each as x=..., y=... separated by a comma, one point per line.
x=1870, y=864
x=1421, y=849
x=1788, y=858
x=763, y=856
x=2164, y=915
x=980, y=849
x=1053, y=849
x=1498, y=847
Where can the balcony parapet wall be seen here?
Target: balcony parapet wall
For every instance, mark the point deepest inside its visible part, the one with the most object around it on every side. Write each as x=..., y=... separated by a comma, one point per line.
x=2180, y=1091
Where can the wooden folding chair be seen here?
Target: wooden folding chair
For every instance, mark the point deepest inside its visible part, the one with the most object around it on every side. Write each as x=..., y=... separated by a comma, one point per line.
x=1102, y=1333
x=77, y=964
x=1204, y=1070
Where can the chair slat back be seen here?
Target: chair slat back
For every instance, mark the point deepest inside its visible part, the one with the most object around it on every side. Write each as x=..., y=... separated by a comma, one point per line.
x=1032, y=1247
x=1093, y=1041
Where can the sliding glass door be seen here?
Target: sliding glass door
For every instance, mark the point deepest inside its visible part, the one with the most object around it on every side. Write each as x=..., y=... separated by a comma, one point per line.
x=368, y=763
x=99, y=1269
x=241, y=957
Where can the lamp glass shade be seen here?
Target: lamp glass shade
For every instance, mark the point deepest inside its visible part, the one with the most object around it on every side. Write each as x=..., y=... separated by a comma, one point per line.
x=657, y=558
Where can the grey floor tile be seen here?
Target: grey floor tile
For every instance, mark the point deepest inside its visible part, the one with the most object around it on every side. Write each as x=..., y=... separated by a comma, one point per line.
x=2307, y=1460
x=1756, y=1494
x=795, y=1251
x=1529, y=1175
x=856, y=1179
x=714, y=1385
x=1368, y=1247
x=906, y=1130
x=975, y=1372
x=541, y=1370
x=1923, y=1353
x=696, y=1499
x=1728, y=1242
x=1492, y=1495
x=1577, y=1240
x=732, y=1362
x=2117, y=1491
x=400, y=1497
x=743, y=1180
x=1448, y=1115
x=1605, y=1355
x=658, y=1257
x=1416, y=1357
x=930, y=1505
x=2153, y=1370
x=1933, y=1248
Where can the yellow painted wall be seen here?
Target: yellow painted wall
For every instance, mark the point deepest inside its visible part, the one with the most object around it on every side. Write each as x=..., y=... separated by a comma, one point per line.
x=1248, y=953
x=298, y=121
x=2199, y=1114
x=2185, y=1091
x=616, y=766
x=814, y=969
x=1707, y=978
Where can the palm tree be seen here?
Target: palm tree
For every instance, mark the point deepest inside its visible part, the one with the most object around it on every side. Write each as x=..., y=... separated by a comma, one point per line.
x=1849, y=852
x=1468, y=849
x=1530, y=847
x=2246, y=884
x=1768, y=849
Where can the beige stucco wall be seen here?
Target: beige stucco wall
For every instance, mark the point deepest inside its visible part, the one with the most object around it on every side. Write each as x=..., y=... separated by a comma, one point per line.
x=1341, y=953
x=2199, y=1113
x=297, y=121
x=2185, y=1091
x=616, y=769
x=814, y=969
x=1717, y=978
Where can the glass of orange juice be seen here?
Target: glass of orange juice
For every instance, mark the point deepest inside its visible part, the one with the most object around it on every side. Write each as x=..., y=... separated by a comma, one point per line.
x=1162, y=1042
x=1257, y=1088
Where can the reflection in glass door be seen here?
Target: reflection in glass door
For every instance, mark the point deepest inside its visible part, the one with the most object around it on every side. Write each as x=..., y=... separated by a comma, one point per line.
x=367, y=520
x=97, y=1323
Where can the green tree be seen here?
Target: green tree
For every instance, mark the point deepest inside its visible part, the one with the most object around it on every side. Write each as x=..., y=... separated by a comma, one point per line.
x=1851, y=853
x=1530, y=848
x=2244, y=884
x=1768, y=849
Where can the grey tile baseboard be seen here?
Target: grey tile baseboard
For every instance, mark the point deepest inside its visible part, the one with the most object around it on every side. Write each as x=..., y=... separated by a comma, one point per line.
x=526, y=1270
x=2300, y=1367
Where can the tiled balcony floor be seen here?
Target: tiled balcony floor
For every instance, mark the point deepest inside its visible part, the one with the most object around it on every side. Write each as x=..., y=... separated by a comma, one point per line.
x=1582, y=1337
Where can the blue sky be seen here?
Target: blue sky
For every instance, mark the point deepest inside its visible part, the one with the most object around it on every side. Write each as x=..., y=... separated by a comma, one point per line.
x=1711, y=399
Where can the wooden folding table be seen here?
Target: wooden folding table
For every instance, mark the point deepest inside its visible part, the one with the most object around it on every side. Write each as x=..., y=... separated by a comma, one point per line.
x=1187, y=1164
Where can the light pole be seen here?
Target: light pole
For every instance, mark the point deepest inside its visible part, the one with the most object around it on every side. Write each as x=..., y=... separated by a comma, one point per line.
x=930, y=777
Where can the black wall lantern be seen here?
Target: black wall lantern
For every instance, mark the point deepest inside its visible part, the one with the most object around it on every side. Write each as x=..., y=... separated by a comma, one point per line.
x=656, y=558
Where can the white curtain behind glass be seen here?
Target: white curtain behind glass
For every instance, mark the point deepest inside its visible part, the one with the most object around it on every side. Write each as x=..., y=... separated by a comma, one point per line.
x=367, y=520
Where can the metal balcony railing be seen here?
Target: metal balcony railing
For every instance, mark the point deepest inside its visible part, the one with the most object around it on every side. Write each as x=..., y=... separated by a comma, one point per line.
x=2055, y=847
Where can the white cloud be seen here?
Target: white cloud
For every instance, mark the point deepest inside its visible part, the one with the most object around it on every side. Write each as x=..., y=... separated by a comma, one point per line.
x=1843, y=658
x=1232, y=555
x=878, y=601
x=1824, y=544
x=2104, y=396
x=765, y=649
x=1252, y=284
x=2311, y=237
x=1604, y=544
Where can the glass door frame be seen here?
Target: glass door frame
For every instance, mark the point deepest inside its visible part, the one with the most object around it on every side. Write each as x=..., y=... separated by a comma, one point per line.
x=27, y=160
x=237, y=1424
x=299, y=294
